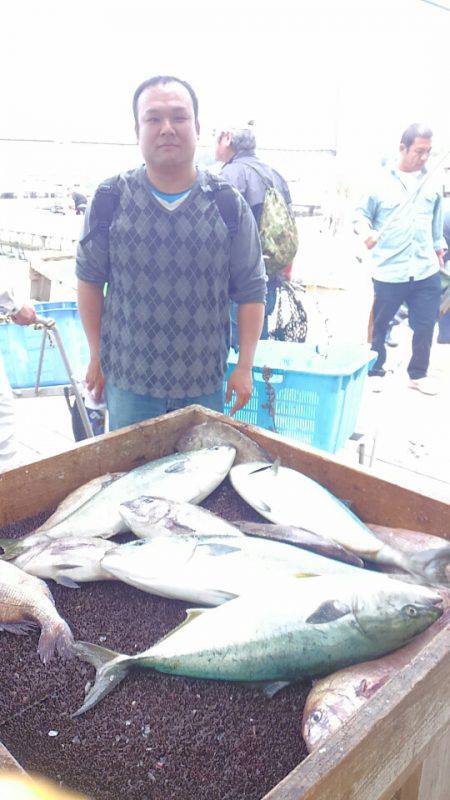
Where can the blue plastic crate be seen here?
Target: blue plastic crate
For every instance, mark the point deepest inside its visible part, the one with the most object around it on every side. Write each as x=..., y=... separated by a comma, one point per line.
x=301, y=394
x=20, y=347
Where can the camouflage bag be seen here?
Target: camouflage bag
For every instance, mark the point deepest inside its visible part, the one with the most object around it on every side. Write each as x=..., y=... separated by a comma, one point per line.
x=278, y=232
x=277, y=229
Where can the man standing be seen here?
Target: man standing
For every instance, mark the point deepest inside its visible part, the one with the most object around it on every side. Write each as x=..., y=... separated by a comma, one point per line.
x=21, y=315
x=235, y=148
x=159, y=339
x=401, y=223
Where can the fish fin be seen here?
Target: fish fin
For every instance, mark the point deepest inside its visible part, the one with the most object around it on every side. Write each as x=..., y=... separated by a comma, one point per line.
x=177, y=527
x=64, y=580
x=111, y=669
x=260, y=505
x=272, y=466
x=55, y=636
x=110, y=477
x=191, y=614
x=19, y=628
x=94, y=654
x=328, y=612
x=270, y=689
x=179, y=466
x=350, y=558
x=346, y=503
x=218, y=548
x=432, y=564
x=304, y=575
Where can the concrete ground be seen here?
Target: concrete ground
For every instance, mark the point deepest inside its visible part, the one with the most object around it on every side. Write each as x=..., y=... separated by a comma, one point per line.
x=410, y=431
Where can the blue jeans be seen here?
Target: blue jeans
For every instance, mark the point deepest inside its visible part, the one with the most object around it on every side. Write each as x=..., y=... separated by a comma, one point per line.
x=422, y=299
x=126, y=408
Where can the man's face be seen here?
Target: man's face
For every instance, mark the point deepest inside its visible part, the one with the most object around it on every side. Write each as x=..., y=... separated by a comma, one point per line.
x=414, y=157
x=167, y=131
x=223, y=147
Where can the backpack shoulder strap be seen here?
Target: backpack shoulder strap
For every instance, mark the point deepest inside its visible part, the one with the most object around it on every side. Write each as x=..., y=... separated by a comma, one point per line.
x=104, y=204
x=227, y=203
x=268, y=182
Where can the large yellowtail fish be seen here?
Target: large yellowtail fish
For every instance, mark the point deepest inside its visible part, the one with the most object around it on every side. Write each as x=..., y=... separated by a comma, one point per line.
x=292, y=628
x=180, y=476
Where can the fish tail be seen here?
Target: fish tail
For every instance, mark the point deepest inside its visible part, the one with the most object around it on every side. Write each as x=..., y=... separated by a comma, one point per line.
x=111, y=668
x=433, y=564
x=12, y=547
x=55, y=636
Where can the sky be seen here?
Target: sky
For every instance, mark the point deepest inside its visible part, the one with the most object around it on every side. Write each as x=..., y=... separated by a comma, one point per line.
x=312, y=73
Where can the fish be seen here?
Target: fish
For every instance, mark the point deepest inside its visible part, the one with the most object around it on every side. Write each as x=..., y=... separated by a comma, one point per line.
x=300, y=537
x=78, y=498
x=208, y=434
x=179, y=476
x=290, y=629
x=287, y=497
x=337, y=697
x=212, y=569
x=412, y=542
x=67, y=561
x=153, y=516
x=26, y=602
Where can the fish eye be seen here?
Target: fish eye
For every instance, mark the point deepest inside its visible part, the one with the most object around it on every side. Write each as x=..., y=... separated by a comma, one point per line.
x=411, y=611
x=316, y=716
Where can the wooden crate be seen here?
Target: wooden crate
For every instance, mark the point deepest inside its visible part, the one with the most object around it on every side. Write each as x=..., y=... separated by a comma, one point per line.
x=398, y=746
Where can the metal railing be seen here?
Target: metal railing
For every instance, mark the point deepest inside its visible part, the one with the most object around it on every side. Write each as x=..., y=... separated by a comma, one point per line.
x=19, y=244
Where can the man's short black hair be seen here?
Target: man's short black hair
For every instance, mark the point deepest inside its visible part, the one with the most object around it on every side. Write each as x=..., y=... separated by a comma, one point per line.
x=157, y=81
x=413, y=131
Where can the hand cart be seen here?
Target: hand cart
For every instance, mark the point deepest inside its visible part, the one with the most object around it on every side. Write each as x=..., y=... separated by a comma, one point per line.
x=50, y=332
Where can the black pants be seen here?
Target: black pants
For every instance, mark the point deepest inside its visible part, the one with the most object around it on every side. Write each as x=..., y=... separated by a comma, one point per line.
x=422, y=299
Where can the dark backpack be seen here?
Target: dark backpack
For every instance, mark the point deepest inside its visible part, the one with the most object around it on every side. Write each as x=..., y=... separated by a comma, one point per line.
x=107, y=196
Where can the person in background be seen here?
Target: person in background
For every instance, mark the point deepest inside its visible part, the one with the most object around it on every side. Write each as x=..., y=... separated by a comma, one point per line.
x=79, y=201
x=235, y=149
x=21, y=314
x=159, y=340
x=400, y=220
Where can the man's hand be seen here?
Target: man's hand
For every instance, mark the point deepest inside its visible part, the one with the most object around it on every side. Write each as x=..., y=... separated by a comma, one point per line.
x=371, y=240
x=25, y=316
x=240, y=382
x=440, y=254
x=95, y=381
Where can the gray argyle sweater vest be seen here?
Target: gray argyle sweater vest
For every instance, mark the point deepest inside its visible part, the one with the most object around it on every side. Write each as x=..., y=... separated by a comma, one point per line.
x=165, y=327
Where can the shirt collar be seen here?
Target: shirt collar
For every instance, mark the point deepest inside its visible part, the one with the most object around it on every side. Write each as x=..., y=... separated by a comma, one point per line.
x=398, y=172
x=242, y=154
